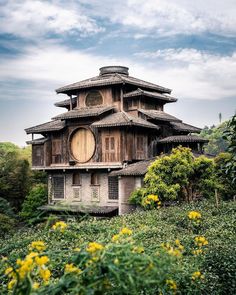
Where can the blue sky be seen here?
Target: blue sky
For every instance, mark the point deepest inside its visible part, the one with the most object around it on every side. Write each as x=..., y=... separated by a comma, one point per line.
x=188, y=46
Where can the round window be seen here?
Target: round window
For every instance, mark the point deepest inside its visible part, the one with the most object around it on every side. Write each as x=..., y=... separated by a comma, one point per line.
x=82, y=145
x=93, y=98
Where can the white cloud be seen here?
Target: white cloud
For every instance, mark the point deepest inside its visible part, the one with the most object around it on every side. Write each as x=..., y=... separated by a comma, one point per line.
x=200, y=76
x=32, y=18
x=168, y=17
x=195, y=74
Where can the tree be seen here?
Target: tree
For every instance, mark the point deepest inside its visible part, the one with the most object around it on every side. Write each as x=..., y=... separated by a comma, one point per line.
x=217, y=144
x=179, y=176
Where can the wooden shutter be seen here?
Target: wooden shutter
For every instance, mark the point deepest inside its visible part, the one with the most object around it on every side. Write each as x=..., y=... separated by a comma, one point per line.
x=58, y=184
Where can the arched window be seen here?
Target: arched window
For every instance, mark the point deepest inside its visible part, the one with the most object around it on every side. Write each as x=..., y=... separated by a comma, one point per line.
x=93, y=98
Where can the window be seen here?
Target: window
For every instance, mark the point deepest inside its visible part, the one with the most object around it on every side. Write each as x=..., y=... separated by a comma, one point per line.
x=133, y=104
x=140, y=147
x=37, y=155
x=76, y=179
x=58, y=187
x=94, y=98
x=116, y=94
x=56, y=151
x=110, y=149
x=113, y=188
x=94, y=179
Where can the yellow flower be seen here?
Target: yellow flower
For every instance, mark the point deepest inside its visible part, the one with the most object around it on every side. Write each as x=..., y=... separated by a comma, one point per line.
x=115, y=238
x=60, y=225
x=32, y=255
x=72, y=268
x=94, y=247
x=172, y=285
x=200, y=241
x=194, y=215
x=126, y=231
x=36, y=285
x=197, y=275
x=41, y=260
x=8, y=271
x=138, y=249
x=45, y=274
x=38, y=245
x=197, y=252
x=11, y=284
x=116, y=261
x=77, y=249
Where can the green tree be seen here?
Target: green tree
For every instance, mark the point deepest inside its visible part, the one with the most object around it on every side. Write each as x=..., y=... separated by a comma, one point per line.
x=217, y=144
x=36, y=198
x=179, y=176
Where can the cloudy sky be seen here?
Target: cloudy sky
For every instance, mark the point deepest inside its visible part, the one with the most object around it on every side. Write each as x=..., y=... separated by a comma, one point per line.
x=188, y=46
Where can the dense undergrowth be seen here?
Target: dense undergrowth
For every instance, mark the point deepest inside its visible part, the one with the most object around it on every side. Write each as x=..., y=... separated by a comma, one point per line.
x=156, y=257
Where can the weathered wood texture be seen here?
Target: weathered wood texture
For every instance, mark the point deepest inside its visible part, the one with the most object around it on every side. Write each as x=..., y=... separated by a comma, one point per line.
x=82, y=145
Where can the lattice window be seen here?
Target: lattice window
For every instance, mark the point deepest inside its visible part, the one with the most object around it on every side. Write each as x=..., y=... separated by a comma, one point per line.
x=58, y=187
x=94, y=98
x=77, y=193
x=95, y=193
x=37, y=155
x=113, y=191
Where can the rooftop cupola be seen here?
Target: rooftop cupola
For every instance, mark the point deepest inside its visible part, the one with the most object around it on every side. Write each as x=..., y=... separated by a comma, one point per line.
x=114, y=70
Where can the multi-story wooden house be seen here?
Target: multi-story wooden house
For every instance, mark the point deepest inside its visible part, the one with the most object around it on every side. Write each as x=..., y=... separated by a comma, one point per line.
x=97, y=152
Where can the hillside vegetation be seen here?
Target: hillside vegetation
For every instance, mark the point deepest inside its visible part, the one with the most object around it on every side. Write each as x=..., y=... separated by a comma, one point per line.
x=162, y=251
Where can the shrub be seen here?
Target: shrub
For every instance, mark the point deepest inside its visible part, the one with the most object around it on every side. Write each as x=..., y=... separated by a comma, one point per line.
x=178, y=176
x=6, y=225
x=5, y=208
x=36, y=198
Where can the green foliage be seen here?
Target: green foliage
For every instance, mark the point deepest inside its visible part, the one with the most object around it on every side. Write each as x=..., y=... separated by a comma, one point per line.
x=178, y=176
x=36, y=198
x=217, y=144
x=5, y=208
x=122, y=264
x=230, y=136
x=6, y=224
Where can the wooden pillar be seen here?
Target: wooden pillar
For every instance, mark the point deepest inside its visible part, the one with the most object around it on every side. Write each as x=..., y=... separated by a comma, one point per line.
x=71, y=102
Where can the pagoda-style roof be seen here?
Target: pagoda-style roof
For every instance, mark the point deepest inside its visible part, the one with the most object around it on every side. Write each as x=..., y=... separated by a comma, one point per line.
x=138, y=168
x=159, y=115
x=182, y=139
x=65, y=103
x=54, y=125
x=84, y=112
x=123, y=119
x=178, y=126
x=37, y=141
x=141, y=92
x=112, y=75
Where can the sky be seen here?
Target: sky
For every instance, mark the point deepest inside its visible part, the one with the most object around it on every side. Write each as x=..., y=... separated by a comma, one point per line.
x=187, y=46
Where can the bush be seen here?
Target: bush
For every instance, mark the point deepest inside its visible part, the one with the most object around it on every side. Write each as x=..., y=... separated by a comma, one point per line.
x=5, y=208
x=36, y=198
x=6, y=225
x=177, y=177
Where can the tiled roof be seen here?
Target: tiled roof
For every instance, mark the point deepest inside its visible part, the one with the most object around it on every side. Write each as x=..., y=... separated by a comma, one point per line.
x=182, y=138
x=111, y=79
x=65, y=103
x=55, y=125
x=70, y=207
x=185, y=127
x=84, y=112
x=159, y=115
x=123, y=119
x=37, y=141
x=140, y=92
x=139, y=168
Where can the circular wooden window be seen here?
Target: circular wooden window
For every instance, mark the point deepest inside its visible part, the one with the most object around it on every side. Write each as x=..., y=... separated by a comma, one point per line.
x=82, y=145
x=94, y=98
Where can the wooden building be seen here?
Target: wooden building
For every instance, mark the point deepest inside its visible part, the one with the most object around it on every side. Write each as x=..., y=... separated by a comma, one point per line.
x=97, y=152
